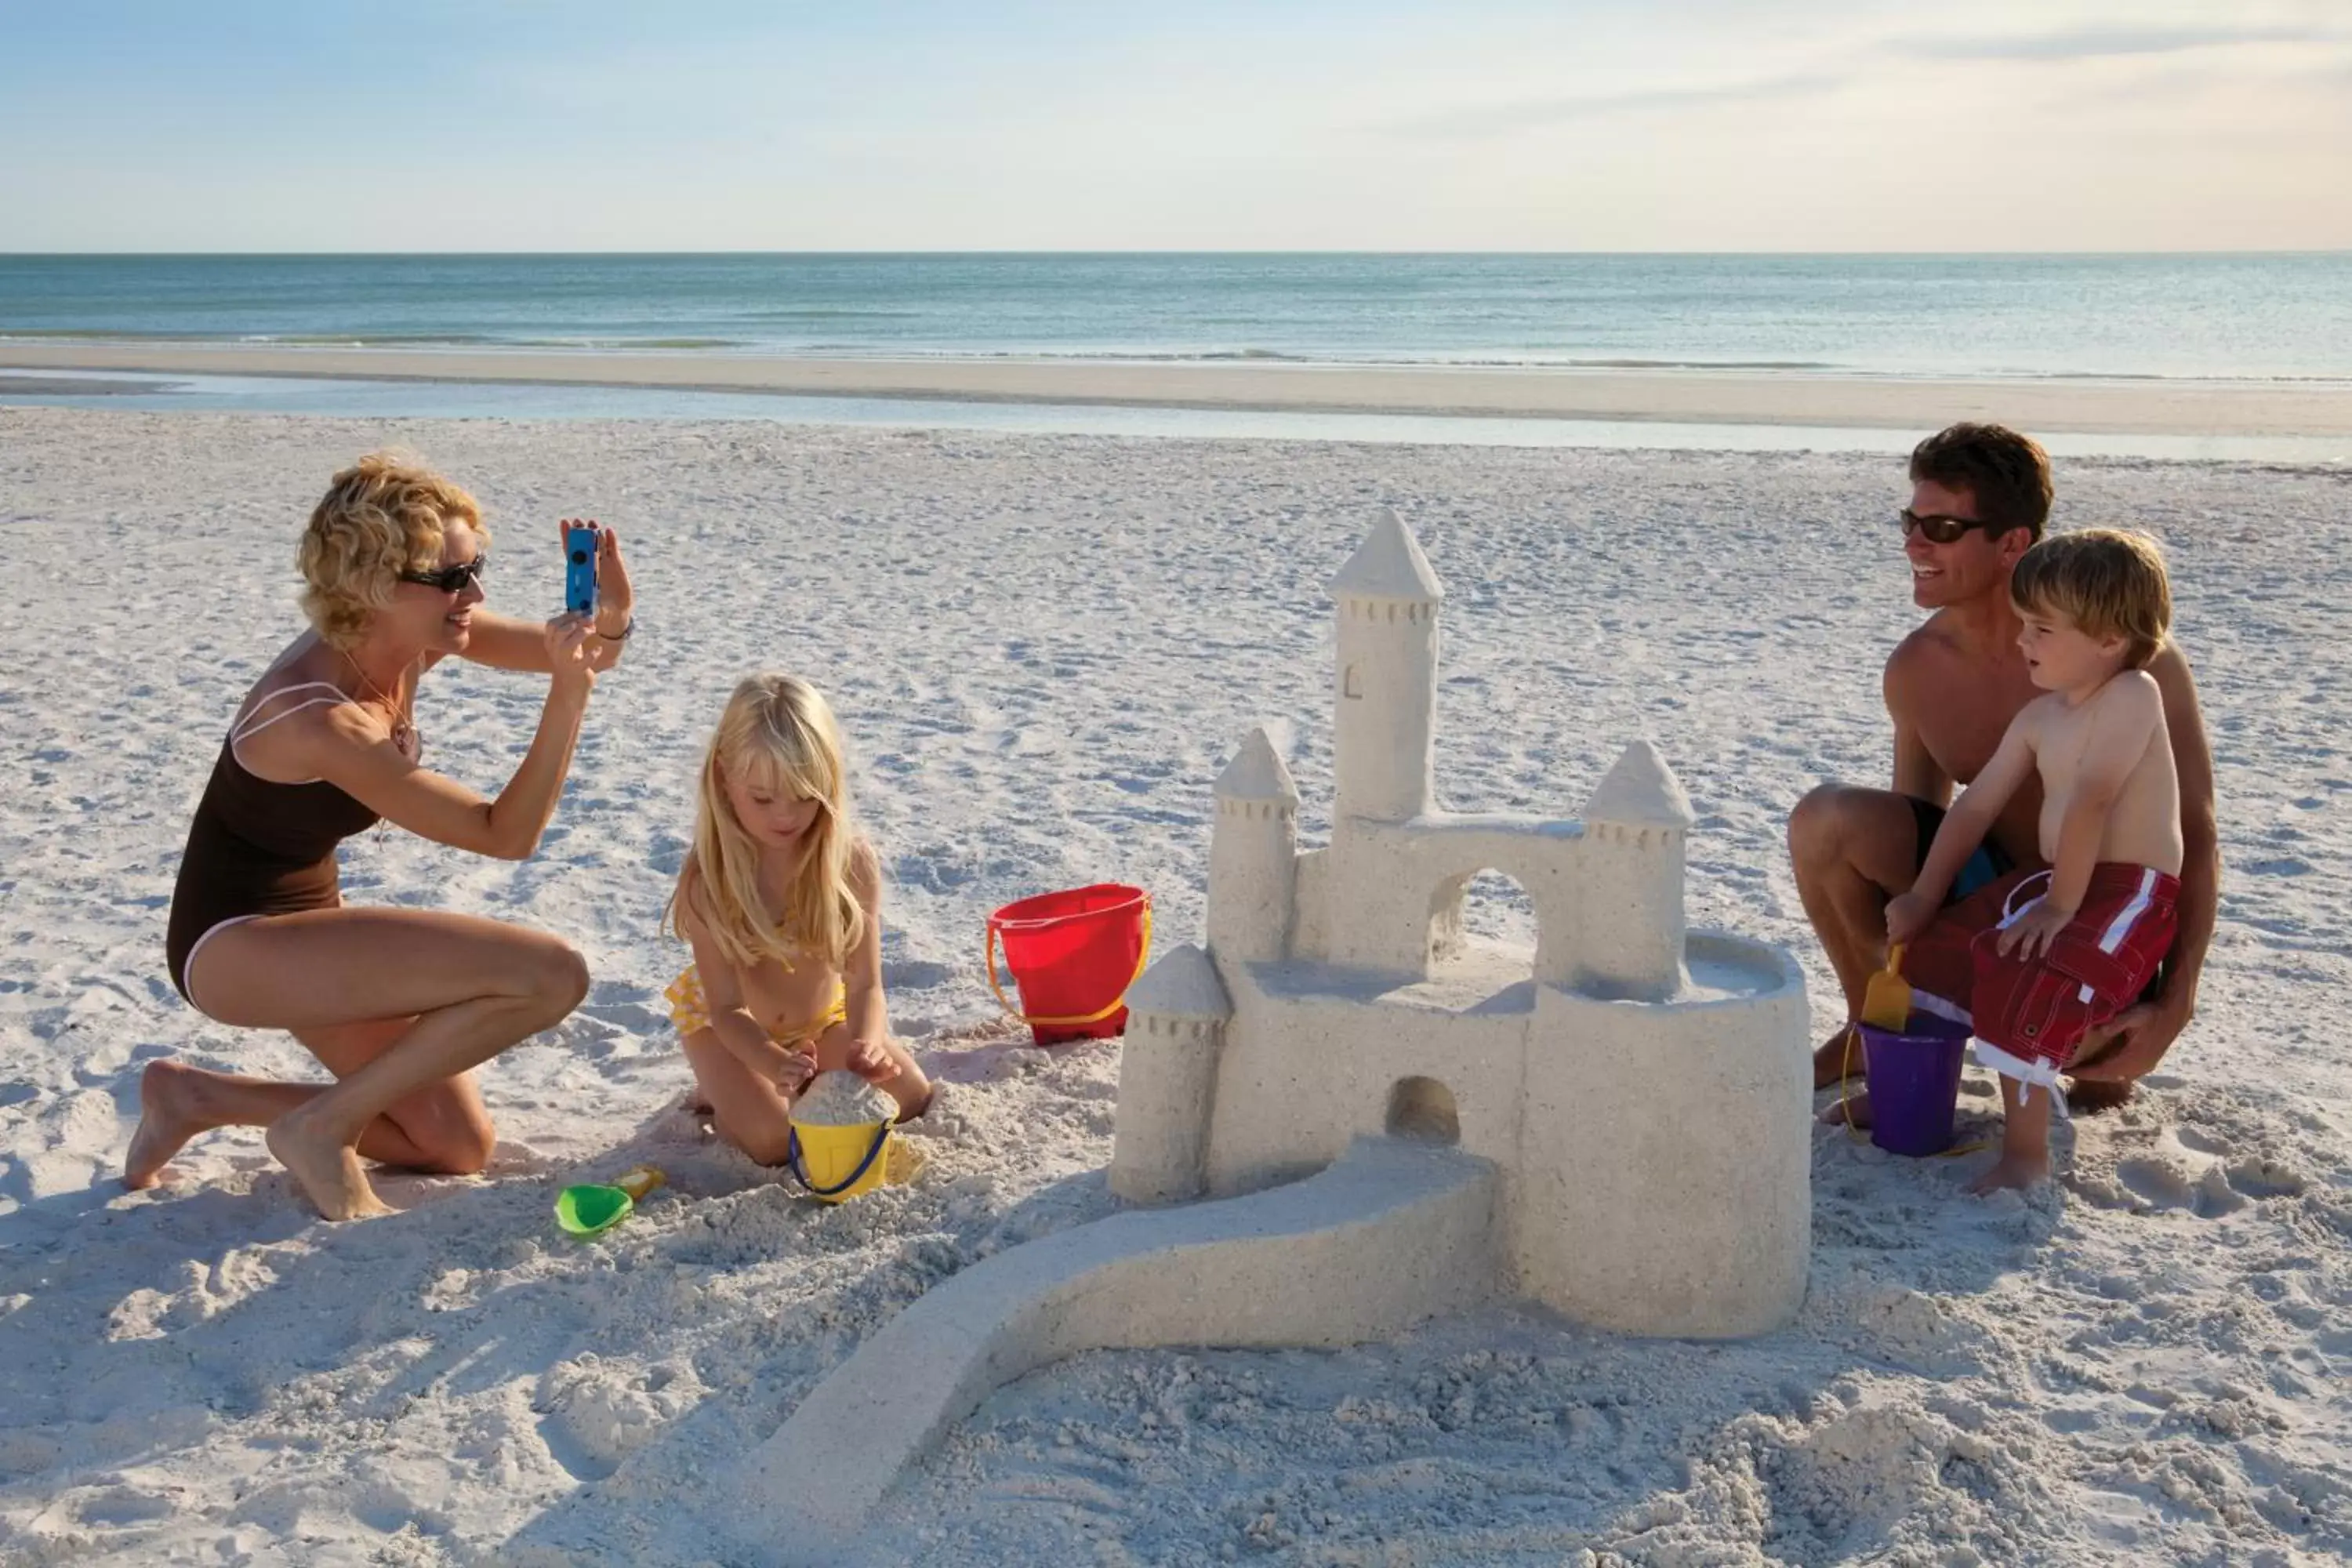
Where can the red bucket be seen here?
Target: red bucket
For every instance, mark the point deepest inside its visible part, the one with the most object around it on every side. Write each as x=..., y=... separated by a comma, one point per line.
x=1072, y=955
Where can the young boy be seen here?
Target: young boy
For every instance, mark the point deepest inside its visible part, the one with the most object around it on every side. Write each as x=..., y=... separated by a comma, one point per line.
x=2096, y=607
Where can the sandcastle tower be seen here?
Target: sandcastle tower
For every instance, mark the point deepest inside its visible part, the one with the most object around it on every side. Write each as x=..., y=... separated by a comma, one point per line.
x=1175, y=1033
x=1630, y=946
x=1384, y=733
x=1251, y=851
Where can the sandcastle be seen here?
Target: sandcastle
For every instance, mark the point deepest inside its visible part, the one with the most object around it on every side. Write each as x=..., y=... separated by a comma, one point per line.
x=1390, y=1121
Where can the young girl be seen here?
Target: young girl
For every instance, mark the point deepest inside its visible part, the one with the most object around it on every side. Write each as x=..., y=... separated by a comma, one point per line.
x=782, y=901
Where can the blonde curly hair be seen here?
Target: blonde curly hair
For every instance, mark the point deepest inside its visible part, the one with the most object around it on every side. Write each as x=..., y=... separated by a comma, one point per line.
x=384, y=515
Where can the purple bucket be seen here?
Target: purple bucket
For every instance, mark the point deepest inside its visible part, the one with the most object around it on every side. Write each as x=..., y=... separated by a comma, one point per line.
x=1915, y=1083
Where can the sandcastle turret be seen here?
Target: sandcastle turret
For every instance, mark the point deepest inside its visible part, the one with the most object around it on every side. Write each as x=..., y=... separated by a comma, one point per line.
x=1631, y=944
x=1252, y=852
x=1386, y=707
x=1167, y=1077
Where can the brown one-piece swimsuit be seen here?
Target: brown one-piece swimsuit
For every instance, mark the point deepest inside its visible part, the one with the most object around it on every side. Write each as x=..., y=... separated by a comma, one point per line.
x=256, y=848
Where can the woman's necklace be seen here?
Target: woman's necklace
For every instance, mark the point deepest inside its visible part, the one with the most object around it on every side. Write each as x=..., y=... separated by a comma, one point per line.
x=402, y=730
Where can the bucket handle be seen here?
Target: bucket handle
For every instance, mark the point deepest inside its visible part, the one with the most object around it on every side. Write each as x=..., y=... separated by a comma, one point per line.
x=793, y=1162
x=1845, y=1059
x=1142, y=961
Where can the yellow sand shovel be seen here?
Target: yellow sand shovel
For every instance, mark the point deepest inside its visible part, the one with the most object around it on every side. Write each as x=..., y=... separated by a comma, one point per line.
x=1887, y=1000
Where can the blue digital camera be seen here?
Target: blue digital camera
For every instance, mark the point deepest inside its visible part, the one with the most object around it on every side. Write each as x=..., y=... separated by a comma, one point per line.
x=580, y=571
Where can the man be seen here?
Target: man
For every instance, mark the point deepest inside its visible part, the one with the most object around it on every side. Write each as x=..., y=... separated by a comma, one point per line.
x=1979, y=497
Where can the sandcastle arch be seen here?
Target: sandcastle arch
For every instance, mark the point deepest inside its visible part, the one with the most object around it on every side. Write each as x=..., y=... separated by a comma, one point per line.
x=1421, y=1108
x=1449, y=934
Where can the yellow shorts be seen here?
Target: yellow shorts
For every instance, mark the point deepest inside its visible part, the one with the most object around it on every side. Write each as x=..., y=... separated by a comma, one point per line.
x=690, y=1011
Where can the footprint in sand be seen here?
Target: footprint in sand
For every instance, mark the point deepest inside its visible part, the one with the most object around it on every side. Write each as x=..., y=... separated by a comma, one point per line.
x=2165, y=1183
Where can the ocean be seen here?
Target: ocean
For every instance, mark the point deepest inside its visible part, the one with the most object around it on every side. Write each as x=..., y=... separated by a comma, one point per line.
x=2279, y=316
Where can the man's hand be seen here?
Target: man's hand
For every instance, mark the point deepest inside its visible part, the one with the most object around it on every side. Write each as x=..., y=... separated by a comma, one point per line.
x=2030, y=933
x=871, y=1061
x=2129, y=1045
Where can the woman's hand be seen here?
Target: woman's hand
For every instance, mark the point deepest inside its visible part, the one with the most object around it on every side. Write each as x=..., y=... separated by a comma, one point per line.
x=616, y=602
x=570, y=658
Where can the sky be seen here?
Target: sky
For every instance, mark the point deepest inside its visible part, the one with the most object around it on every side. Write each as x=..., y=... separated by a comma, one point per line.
x=1791, y=125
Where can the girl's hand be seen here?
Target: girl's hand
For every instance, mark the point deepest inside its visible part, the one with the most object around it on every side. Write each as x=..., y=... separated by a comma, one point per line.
x=872, y=1060
x=1908, y=914
x=792, y=1074
x=2033, y=931
x=567, y=657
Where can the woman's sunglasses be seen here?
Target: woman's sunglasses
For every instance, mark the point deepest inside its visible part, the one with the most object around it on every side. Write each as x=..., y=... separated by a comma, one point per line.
x=465, y=575
x=1939, y=528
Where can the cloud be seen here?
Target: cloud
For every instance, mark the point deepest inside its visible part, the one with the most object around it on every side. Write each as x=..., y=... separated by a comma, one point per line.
x=2106, y=43
x=1501, y=119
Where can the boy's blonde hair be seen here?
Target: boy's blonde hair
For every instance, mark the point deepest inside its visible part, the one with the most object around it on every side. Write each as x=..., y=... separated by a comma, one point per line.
x=384, y=515
x=2108, y=582
x=777, y=733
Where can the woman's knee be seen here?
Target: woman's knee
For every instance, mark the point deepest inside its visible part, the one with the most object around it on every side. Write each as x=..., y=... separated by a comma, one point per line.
x=558, y=975
x=451, y=1140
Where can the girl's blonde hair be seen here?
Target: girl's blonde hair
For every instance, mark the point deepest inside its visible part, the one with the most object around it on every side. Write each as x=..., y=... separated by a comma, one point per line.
x=382, y=516
x=778, y=733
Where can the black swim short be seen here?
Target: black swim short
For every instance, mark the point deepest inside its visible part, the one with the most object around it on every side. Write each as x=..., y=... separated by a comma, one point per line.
x=1989, y=864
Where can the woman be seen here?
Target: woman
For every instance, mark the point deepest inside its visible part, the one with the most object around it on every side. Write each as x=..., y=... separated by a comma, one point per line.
x=398, y=1004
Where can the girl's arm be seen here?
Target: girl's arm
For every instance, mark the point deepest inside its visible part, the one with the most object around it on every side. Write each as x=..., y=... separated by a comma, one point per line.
x=861, y=976
x=730, y=1019
x=504, y=642
x=352, y=751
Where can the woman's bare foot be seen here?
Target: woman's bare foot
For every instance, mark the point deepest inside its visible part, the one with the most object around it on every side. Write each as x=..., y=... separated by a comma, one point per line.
x=170, y=1113
x=327, y=1167
x=2018, y=1170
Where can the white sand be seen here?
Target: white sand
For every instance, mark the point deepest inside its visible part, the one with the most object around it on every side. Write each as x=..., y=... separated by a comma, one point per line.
x=2124, y=405
x=842, y=1099
x=1043, y=648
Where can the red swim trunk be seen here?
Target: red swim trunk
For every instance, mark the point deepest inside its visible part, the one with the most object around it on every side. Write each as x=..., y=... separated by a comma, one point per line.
x=2038, y=1009
x=1941, y=961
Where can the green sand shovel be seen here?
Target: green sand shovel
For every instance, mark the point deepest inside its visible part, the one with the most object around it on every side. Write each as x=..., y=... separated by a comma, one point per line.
x=593, y=1209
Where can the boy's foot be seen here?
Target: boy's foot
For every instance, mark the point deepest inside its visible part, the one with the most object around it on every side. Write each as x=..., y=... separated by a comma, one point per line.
x=2011, y=1170
x=168, y=1117
x=327, y=1169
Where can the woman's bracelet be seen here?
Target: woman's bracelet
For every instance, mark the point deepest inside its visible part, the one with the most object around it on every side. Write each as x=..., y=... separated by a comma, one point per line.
x=623, y=634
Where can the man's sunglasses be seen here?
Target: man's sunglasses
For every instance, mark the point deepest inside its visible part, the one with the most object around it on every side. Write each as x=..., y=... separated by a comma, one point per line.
x=1939, y=528
x=458, y=578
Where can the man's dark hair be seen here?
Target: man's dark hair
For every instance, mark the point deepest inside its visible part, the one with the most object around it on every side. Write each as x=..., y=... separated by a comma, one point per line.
x=2007, y=474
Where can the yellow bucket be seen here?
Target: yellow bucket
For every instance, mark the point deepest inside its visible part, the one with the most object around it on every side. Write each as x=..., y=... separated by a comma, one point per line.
x=838, y=1162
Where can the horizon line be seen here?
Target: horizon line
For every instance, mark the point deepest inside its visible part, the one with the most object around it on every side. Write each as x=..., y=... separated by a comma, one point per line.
x=7, y=254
